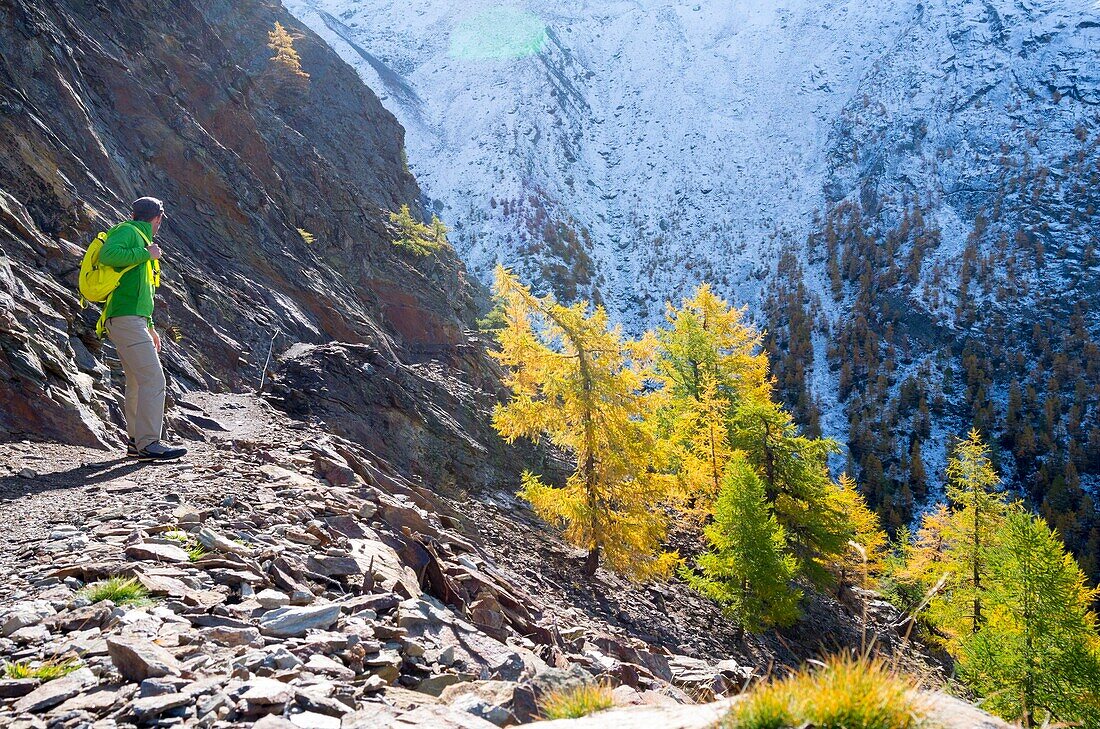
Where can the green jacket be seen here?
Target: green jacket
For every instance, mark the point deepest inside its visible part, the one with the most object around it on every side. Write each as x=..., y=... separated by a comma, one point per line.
x=125, y=247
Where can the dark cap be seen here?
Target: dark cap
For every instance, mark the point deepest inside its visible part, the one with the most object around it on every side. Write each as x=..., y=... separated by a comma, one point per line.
x=147, y=208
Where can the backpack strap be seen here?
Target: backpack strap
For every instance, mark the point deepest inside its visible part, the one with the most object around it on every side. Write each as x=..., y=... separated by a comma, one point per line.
x=147, y=239
x=101, y=323
x=154, y=266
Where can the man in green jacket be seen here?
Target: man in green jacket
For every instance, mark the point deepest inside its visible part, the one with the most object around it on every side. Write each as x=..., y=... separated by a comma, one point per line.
x=129, y=318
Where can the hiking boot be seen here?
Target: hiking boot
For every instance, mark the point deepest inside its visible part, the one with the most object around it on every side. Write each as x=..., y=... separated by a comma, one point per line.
x=131, y=449
x=157, y=451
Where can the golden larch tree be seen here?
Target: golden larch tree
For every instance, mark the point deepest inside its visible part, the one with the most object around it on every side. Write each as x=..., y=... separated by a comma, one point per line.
x=286, y=57
x=572, y=382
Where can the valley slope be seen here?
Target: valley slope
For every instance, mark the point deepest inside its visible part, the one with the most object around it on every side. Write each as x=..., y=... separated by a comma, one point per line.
x=904, y=194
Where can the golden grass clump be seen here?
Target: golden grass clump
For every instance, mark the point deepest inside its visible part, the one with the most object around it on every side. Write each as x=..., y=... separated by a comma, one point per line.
x=576, y=701
x=45, y=671
x=849, y=692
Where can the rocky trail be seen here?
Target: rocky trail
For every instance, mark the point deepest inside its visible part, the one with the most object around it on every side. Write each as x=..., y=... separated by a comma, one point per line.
x=294, y=578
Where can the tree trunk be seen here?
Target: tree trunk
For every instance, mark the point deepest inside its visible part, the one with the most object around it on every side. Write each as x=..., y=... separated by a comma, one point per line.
x=592, y=561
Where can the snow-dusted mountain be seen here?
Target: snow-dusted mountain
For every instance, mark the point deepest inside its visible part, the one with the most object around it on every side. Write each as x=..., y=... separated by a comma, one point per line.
x=905, y=191
x=673, y=138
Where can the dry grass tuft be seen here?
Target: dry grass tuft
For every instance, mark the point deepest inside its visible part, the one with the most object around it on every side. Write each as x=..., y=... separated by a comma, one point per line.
x=575, y=702
x=45, y=671
x=847, y=693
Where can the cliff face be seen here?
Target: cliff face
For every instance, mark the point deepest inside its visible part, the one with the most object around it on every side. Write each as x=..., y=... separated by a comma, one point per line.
x=100, y=104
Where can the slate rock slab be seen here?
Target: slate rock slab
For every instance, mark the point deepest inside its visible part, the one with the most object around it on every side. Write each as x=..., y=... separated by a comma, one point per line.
x=150, y=552
x=293, y=622
x=138, y=659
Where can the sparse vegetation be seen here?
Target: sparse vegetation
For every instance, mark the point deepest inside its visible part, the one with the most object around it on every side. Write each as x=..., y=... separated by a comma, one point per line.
x=415, y=237
x=196, y=552
x=1006, y=600
x=307, y=236
x=44, y=671
x=576, y=701
x=846, y=693
x=119, y=590
x=286, y=58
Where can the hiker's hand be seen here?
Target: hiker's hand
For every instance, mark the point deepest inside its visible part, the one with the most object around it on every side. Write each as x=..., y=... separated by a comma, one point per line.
x=156, y=338
x=154, y=252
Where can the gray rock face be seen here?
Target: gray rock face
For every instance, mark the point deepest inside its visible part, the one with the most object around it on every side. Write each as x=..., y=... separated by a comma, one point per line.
x=244, y=162
x=54, y=692
x=287, y=622
x=138, y=659
x=525, y=701
x=157, y=553
x=149, y=708
x=225, y=635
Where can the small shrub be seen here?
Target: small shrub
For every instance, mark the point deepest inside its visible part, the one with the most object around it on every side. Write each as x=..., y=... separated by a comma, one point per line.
x=847, y=693
x=415, y=237
x=492, y=322
x=575, y=702
x=307, y=236
x=119, y=590
x=45, y=671
x=286, y=57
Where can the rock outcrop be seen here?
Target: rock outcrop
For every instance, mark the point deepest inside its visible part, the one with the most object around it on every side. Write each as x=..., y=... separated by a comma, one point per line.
x=277, y=194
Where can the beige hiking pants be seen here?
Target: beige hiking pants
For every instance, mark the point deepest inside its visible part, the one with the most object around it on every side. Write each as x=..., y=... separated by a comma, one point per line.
x=144, y=377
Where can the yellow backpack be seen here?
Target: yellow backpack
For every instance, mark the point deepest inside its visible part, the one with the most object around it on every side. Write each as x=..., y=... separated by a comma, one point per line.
x=98, y=283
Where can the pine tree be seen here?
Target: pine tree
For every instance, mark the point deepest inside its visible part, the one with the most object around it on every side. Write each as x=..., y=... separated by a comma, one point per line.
x=747, y=568
x=1036, y=656
x=707, y=358
x=977, y=514
x=701, y=430
x=286, y=58
x=571, y=381
x=707, y=338
x=864, y=560
x=795, y=474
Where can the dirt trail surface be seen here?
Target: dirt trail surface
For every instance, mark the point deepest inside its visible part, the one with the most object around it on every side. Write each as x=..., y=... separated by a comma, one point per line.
x=51, y=485
x=294, y=576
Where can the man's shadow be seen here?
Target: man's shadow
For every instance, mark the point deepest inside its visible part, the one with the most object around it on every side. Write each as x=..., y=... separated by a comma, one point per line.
x=14, y=486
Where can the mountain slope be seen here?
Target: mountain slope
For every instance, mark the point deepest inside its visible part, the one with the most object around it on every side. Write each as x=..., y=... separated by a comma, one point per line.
x=903, y=193
x=277, y=234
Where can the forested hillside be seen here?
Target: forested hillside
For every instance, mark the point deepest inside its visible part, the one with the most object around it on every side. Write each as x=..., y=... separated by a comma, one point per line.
x=904, y=193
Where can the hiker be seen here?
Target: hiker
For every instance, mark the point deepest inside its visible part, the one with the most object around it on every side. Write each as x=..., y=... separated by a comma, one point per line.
x=128, y=317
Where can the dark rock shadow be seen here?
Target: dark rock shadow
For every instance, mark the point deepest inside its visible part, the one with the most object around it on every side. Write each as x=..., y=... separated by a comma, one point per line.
x=14, y=487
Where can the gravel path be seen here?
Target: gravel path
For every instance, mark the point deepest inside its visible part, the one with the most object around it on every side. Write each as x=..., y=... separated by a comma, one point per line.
x=45, y=486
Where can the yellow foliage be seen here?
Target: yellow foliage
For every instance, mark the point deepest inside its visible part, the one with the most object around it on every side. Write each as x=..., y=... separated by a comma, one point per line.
x=865, y=558
x=286, y=57
x=704, y=430
x=415, y=237
x=847, y=692
x=708, y=360
x=708, y=338
x=572, y=383
x=576, y=701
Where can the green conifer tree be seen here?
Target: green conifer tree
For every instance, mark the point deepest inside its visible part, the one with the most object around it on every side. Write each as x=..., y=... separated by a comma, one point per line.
x=748, y=568
x=1036, y=655
x=795, y=474
x=977, y=513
